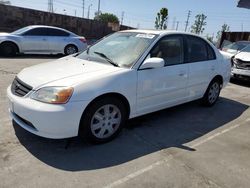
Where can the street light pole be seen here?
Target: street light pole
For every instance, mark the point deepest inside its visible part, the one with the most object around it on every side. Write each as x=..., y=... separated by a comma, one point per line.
x=98, y=13
x=89, y=9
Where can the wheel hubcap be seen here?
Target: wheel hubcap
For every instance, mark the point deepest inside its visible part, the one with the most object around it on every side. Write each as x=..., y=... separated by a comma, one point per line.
x=213, y=92
x=105, y=121
x=71, y=50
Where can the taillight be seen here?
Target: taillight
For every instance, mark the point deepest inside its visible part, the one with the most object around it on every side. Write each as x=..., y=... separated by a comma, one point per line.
x=83, y=40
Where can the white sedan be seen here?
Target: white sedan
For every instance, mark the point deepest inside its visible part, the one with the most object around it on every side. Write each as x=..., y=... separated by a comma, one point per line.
x=40, y=39
x=125, y=75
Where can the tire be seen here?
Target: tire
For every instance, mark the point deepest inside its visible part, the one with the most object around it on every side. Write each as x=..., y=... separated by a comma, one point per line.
x=70, y=49
x=212, y=93
x=103, y=120
x=8, y=49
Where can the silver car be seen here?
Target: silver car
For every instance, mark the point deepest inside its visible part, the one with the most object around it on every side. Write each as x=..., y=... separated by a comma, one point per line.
x=39, y=39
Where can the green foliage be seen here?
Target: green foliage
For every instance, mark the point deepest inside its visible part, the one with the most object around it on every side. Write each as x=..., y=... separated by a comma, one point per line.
x=161, y=19
x=210, y=38
x=199, y=25
x=224, y=28
x=107, y=17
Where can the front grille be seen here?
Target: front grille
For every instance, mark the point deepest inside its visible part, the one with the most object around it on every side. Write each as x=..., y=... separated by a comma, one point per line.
x=19, y=88
x=242, y=64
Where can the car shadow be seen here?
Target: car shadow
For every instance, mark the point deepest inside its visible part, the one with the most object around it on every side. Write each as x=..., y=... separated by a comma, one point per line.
x=33, y=56
x=245, y=83
x=173, y=127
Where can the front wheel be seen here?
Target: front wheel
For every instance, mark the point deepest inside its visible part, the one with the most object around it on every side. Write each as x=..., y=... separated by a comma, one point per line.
x=212, y=93
x=8, y=49
x=103, y=120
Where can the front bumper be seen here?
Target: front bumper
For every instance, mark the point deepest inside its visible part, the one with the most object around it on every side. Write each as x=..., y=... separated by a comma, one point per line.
x=46, y=120
x=240, y=72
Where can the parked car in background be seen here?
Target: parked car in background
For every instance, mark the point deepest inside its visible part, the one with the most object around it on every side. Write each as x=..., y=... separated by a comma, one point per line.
x=125, y=75
x=241, y=64
x=39, y=39
x=233, y=48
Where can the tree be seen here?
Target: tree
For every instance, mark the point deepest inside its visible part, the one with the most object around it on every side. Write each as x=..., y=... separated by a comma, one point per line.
x=210, y=38
x=224, y=28
x=161, y=19
x=199, y=25
x=5, y=2
x=107, y=17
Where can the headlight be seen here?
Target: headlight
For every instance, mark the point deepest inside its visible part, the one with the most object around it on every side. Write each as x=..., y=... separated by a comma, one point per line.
x=53, y=95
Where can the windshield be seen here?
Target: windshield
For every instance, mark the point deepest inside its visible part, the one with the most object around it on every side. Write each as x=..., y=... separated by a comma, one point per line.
x=246, y=49
x=237, y=45
x=122, y=49
x=20, y=31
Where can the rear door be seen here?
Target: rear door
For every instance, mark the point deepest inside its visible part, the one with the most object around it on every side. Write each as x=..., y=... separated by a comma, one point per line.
x=163, y=87
x=35, y=41
x=57, y=40
x=202, y=62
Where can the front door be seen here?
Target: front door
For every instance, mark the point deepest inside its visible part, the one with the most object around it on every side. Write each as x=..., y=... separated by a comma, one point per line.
x=163, y=87
x=35, y=41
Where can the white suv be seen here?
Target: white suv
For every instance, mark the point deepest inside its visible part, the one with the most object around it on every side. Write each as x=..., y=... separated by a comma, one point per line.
x=125, y=75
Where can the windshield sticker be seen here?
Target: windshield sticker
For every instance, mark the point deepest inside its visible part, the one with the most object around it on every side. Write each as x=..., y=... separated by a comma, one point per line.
x=147, y=36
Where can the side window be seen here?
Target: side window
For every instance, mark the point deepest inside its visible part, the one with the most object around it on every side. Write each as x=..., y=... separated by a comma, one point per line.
x=57, y=32
x=36, y=32
x=170, y=49
x=198, y=50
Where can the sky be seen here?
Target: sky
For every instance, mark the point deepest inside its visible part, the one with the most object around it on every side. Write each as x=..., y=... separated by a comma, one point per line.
x=141, y=13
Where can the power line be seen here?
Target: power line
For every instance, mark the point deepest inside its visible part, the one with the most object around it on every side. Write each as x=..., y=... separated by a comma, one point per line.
x=187, y=22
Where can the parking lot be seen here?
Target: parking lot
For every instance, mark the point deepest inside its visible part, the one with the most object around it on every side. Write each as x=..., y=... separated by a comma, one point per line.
x=185, y=146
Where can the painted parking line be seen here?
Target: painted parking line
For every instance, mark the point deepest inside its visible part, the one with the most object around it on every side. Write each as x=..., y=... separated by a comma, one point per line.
x=160, y=162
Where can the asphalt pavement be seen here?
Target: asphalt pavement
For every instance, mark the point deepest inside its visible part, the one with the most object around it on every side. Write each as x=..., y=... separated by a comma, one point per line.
x=184, y=146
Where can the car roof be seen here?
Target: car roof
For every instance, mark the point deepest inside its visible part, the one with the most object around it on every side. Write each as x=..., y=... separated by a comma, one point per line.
x=158, y=32
x=53, y=27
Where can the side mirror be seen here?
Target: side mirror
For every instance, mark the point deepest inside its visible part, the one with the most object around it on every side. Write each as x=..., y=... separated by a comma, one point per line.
x=152, y=63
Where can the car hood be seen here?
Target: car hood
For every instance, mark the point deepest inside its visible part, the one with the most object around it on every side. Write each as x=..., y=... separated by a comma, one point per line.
x=226, y=55
x=244, y=56
x=39, y=75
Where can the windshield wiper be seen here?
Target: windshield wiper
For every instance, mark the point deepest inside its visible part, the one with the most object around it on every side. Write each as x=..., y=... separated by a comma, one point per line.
x=106, y=58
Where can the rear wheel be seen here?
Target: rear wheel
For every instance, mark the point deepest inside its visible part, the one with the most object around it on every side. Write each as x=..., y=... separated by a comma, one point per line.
x=212, y=93
x=103, y=120
x=8, y=49
x=70, y=49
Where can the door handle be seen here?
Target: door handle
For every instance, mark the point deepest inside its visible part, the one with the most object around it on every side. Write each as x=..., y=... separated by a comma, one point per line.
x=182, y=73
x=44, y=39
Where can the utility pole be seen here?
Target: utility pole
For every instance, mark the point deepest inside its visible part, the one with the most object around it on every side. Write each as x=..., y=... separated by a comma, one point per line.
x=50, y=6
x=99, y=4
x=187, y=22
x=89, y=10
x=122, y=17
x=177, y=25
x=174, y=20
x=83, y=3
